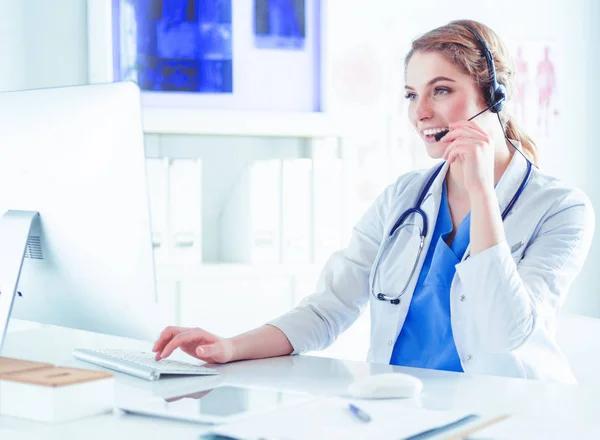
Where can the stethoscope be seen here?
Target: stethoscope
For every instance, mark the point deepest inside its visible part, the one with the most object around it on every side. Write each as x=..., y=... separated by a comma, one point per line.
x=417, y=210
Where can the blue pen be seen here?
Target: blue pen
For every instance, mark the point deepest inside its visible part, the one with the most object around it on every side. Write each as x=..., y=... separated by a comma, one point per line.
x=359, y=413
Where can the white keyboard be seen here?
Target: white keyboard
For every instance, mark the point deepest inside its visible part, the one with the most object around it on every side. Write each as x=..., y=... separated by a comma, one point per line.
x=139, y=364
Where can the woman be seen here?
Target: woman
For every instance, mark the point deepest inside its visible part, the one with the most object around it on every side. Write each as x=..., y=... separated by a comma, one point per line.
x=465, y=265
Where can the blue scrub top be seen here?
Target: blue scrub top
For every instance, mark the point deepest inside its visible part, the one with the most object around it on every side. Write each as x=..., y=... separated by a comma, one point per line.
x=426, y=339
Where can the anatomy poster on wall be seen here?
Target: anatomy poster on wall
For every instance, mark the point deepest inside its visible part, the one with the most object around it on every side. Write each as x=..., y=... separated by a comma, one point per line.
x=536, y=103
x=175, y=45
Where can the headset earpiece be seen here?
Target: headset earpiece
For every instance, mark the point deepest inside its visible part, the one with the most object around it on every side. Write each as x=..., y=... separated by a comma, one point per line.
x=496, y=93
x=499, y=98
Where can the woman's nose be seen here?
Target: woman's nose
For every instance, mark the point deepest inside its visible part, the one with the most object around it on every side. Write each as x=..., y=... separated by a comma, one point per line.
x=423, y=109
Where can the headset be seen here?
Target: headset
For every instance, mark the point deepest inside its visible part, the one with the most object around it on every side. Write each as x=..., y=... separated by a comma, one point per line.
x=494, y=95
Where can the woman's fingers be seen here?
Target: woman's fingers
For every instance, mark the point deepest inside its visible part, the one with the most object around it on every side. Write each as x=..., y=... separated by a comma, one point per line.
x=165, y=336
x=463, y=141
x=460, y=147
x=464, y=133
x=187, y=337
x=470, y=125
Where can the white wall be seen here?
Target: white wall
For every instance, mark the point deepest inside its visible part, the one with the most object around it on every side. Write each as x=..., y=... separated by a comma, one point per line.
x=42, y=43
x=586, y=297
x=10, y=21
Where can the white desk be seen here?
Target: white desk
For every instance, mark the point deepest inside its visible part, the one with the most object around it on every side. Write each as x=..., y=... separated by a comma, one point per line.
x=564, y=406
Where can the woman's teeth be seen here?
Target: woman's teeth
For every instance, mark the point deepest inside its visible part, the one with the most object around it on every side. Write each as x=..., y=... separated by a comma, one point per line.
x=434, y=131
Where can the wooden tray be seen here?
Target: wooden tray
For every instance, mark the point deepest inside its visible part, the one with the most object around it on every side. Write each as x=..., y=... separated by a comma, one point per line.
x=56, y=376
x=11, y=365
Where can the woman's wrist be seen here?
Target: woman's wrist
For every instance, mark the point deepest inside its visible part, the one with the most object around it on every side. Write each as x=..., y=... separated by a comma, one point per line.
x=235, y=345
x=486, y=220
x=482, y=195
x=263, y=342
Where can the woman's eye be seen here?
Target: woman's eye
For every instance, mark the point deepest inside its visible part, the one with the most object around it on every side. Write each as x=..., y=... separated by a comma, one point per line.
x=410, y=96
x=441, y=91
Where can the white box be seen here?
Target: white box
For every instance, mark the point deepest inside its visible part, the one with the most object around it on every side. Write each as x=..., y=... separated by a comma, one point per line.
x=265, y=212
x=56, y=394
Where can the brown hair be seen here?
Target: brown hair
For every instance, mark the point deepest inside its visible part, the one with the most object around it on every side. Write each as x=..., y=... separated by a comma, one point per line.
x=460, y=46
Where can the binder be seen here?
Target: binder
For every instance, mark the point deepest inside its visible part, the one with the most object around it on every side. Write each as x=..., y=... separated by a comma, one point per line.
x=185, y=211
x=297, y=212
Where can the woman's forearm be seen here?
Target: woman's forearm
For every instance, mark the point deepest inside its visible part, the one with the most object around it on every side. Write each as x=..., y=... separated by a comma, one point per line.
x=486, y=221
x=263, y=342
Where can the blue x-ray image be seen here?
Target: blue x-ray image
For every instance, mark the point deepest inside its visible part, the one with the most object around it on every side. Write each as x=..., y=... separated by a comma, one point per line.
x=174, y=45
x=279, y=24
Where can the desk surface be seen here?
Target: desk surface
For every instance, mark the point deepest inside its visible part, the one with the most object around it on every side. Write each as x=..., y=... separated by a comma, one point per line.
x=544, y=403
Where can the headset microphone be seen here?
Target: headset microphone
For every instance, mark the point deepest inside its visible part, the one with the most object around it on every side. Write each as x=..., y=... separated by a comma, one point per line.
x=441, y=134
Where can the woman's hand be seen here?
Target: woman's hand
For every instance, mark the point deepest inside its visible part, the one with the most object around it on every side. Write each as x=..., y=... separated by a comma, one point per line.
x=195, y=342
x=473, y=147
x=469, y=143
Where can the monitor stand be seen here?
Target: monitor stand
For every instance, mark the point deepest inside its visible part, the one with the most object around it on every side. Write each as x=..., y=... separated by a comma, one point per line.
x=15, y=227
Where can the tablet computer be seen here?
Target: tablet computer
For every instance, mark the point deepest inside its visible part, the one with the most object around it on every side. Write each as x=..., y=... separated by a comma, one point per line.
x=221, y=404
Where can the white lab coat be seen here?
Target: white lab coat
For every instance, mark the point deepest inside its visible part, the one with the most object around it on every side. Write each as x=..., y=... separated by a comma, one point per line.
x=504, y=300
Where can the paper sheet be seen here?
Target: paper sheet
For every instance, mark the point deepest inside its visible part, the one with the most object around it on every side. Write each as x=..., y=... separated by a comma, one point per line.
x=330, y=419
x=520, y=427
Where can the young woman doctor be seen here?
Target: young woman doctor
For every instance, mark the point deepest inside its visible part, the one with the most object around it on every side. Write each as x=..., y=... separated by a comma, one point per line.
x=465, y=265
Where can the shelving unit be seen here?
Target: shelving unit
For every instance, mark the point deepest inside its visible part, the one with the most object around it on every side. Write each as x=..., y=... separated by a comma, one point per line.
x=158, y=120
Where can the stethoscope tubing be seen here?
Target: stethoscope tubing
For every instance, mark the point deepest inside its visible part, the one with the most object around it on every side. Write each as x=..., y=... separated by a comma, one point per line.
x=417, y=210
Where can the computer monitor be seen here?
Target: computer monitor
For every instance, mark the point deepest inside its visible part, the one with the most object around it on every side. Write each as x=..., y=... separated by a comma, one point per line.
x=75, y=155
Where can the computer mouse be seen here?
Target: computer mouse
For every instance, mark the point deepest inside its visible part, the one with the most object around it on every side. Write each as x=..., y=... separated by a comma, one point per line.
x=386, y=386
